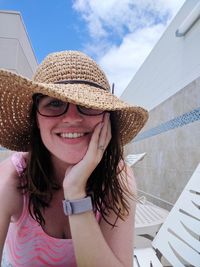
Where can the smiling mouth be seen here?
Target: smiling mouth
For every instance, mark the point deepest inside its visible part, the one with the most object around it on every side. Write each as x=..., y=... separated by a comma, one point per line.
x=72, y=135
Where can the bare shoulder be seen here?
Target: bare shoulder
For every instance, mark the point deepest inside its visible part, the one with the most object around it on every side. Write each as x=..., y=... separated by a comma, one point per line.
x=121, y=238
x=7, y=172
x=10, y=197
x=127, y=177
x=128, y=186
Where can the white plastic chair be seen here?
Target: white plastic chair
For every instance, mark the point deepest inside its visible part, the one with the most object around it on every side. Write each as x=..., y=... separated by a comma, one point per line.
x=178, y=240
x=132, y=159
x=148, y=217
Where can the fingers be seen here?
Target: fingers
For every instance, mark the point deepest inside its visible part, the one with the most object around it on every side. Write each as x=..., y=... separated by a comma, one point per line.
x=95, y=136
x=101, y=137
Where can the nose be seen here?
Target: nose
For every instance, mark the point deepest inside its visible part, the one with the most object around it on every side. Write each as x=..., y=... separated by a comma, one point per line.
x=72, y=114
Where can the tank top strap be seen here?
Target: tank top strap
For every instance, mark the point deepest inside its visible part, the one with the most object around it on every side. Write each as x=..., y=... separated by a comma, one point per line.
x=18, y=160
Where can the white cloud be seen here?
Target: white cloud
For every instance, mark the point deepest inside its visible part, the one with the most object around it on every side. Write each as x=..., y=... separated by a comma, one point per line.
x=124, y=32
x=121, y=62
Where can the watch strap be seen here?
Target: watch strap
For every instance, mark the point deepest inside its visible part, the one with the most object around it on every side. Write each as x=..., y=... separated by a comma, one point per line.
x=77, y=206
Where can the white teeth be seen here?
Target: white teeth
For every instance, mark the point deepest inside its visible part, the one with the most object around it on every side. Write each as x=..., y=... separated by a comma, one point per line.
x=71, y=135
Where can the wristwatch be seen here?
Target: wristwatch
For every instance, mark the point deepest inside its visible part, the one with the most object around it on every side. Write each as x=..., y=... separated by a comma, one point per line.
x=77, y=206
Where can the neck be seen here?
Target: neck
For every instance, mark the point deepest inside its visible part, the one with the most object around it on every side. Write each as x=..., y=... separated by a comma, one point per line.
x=59, y=168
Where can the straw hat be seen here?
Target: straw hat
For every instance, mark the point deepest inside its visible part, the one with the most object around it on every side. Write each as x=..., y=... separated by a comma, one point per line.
x=70, y=76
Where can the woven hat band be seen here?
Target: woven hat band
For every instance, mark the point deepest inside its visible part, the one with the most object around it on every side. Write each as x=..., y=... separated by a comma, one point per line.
x=81, y=82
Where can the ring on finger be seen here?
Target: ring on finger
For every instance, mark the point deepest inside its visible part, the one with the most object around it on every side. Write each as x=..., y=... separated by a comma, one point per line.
x=101, y=147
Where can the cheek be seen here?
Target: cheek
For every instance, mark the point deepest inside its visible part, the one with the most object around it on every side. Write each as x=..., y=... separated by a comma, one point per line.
x=44, y=123
x=96, y=120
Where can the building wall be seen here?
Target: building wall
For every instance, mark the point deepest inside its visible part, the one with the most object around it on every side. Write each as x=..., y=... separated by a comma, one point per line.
x=167, y=84
x=173, y=63
x=171, y=140
x=16, y=53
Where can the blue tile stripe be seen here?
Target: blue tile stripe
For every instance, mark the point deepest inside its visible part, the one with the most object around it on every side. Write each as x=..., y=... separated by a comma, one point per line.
x=177, y=122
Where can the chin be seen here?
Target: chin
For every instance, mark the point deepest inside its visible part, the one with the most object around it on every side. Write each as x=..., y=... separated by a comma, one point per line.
x=71, y=157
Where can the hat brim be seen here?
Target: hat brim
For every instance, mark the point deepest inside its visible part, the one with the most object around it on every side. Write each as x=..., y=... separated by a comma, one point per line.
x=16, y=101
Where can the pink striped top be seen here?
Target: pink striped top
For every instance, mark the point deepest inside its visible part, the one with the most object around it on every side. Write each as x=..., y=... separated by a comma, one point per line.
x=27, y=245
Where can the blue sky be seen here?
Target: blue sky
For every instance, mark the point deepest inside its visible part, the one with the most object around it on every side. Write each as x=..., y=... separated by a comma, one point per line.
x=118, y=34
x=51, y=25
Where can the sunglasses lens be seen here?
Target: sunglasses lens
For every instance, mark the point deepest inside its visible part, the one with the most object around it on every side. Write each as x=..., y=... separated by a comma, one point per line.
x=51, y=107
x=90, y=111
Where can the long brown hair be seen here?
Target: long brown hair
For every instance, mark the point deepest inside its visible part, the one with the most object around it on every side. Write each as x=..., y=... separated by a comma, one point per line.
x=106, y=184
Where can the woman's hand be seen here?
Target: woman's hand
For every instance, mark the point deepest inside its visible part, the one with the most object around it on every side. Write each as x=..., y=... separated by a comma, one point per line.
x=76, y=176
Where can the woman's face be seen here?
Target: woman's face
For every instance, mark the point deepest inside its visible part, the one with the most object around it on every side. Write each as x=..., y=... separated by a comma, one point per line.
x=66, y=136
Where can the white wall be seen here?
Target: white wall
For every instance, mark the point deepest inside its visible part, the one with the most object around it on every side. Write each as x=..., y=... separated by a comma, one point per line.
x=171, y=143
x=173, y=63
x=16, y=52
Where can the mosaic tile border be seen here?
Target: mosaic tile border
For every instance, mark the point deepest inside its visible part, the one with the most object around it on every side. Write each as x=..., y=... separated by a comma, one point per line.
x=177, y=122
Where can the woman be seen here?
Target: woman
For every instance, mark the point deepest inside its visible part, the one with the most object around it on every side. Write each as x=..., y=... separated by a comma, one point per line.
x=67, y=199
